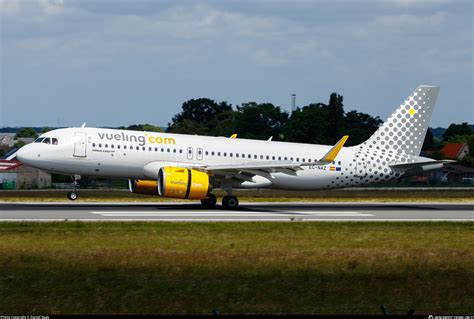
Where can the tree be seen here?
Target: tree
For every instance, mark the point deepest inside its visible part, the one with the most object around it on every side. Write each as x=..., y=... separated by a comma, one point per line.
x=360, y=126
x=142, y=128
x=308, y=125
x=46, y=129
x=335, y=117
x=200, y=111
x=456, y=130
x=260, y=121
x=19, y=144
x=26, y=132
x=429, y=143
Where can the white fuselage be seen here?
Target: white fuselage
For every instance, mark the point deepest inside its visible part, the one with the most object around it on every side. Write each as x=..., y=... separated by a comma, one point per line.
x=139, y=155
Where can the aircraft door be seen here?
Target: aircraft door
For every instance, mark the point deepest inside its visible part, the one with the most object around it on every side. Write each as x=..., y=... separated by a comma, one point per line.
x=199, y=154
x=361, y=165
x=80, y=144
x=190, y=153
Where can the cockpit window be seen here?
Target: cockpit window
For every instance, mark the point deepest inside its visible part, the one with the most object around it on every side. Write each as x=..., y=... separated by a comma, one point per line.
x=55, y=141
x=39, y=140
x=47, y=140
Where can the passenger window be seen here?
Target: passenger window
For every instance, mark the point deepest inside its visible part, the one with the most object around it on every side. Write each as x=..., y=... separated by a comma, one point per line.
x=230, y=154
x=137, y=148
x=303, y=159
x=174, y=150
x=100, y=145
x=168, y=150
x=106, y=146
x=162, y=149
x=112, y=146
x=218, y=153
x=212, y=153
x=156, y=149
x=180, y=151
x=118, y=146
x=286, y=158
x=261, y=156
x=207, y=153
x=268, y=157
x=236, y=154
x=93, y=144
x=339, y=163
x=225, y=154
x=149, y=148
x=143, y=148
x=279, y=158
x=297, y=159
x=273, y=157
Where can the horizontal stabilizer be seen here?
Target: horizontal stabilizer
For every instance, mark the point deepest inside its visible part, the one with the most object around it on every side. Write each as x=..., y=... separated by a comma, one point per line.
x=418, y=167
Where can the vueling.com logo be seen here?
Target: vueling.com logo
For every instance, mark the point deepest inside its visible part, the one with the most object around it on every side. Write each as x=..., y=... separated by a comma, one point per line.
x=140, y=139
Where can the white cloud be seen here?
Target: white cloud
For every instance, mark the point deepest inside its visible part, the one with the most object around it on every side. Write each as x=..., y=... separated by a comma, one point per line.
x=9, y=7
x=411, y=21
x=52, y=6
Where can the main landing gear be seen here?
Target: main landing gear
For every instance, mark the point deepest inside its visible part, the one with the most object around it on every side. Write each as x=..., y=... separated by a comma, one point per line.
x=210, y=201
x=73, y=195
x=228, y=202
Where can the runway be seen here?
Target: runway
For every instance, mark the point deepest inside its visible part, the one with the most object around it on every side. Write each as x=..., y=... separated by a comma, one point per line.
x=192, y=212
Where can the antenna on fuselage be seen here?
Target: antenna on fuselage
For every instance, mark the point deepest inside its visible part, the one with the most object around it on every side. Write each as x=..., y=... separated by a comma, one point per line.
x=83, y=125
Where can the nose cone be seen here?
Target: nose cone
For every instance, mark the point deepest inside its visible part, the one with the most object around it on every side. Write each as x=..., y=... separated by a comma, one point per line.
x=24, y=154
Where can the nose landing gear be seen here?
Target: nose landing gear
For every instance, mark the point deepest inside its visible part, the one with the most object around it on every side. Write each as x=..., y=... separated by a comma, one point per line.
x=73, y=195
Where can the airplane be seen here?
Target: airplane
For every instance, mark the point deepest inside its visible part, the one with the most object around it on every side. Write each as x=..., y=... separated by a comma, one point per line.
x=192, y=166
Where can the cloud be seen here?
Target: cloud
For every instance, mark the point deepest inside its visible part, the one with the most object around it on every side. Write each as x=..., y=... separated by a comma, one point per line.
x=408, y=21
x=238, y=50
x=9, y=7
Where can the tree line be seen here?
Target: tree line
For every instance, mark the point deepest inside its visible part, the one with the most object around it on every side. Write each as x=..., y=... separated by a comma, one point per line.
x=314, y=123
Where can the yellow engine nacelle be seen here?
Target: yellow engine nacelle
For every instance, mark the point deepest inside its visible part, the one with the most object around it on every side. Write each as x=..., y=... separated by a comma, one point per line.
x=176, y=182
x=144, y=187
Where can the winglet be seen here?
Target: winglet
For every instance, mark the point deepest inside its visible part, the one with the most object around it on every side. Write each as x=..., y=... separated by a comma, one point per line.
x=233, y=136
x=331, y=155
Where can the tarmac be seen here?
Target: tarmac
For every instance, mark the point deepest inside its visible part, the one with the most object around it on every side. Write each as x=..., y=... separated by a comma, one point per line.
x=247, y=212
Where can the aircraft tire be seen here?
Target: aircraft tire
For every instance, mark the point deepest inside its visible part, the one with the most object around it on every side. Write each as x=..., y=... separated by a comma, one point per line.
x=230, y=202
x=72, y=195
x=210, y=201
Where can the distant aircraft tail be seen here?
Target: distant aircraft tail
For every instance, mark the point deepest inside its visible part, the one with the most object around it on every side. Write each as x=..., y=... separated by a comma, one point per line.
x=404, y=131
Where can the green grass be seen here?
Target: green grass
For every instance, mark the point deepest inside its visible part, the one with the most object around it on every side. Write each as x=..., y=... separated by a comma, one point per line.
x=251, y=268
x=409, y=195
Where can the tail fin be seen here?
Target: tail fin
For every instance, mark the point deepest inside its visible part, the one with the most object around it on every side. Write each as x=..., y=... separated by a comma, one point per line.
x=404, y=131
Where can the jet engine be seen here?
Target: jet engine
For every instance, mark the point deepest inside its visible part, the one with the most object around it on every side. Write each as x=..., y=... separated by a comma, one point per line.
x=144, y=187
x=176, y=182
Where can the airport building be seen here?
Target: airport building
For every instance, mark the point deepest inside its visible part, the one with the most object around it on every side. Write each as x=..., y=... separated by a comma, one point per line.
x=15, y=175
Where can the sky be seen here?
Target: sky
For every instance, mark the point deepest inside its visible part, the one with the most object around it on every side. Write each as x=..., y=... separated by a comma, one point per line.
x=117, y=62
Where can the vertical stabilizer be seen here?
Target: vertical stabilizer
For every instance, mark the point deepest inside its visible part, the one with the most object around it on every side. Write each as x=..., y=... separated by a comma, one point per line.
x=404, y=131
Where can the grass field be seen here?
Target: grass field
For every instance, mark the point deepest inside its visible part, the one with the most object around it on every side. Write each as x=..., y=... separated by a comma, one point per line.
x=251, y=268
x=375, y=195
